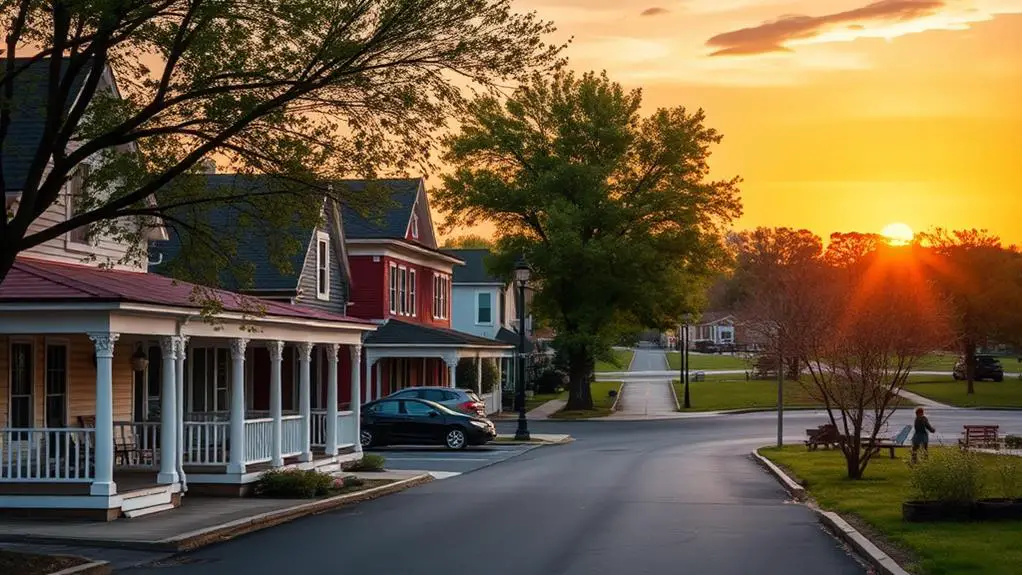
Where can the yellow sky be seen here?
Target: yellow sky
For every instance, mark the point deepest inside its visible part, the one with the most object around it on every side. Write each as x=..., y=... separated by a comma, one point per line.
x=840, y=115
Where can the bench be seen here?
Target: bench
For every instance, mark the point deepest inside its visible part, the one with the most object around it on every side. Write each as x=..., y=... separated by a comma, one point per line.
x=826, y=435
x=980, y=436
x=897, y=442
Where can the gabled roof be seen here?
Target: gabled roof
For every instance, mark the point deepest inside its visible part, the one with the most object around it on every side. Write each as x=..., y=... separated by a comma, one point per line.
x=709, y=317
x=393, y=222
x=396, y=333
x=474, y=271
x=38, y=281
x=507, y=336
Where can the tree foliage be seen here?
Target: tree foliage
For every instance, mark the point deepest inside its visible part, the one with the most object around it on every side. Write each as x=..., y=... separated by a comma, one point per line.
x=468, y=241
x=306, y=90
x=614, y=211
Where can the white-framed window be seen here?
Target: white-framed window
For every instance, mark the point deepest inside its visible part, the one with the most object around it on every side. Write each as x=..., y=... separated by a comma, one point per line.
x=415, y=226
x=402, y=286
x=393, y=288
x=322, y=266
x=75, y=198
x=22, y=381
x=484, y=308
x=441, y=299
x=411, y=293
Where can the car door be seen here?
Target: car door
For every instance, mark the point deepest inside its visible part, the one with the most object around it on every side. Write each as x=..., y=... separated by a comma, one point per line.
x=385, y=417
x=423, y=423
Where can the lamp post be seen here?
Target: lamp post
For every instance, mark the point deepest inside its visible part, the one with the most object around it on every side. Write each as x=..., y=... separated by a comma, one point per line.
x=684, y=364
x=522, y=275
x=780, y=391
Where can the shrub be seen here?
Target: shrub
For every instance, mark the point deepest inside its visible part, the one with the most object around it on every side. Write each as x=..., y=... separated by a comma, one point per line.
x=1010, y=475
x=369, y=462
x=551, y=381
x=466, y=374
x=1013, y=442
x=348, y=481
x=948, y=476
x=294, y=483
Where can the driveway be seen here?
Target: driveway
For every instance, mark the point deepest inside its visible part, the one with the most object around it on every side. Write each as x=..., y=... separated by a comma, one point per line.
x=445, y=463
x=645, y=396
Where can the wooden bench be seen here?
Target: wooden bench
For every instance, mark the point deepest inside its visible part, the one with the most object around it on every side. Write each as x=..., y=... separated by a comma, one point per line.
x=897, y=442
x=980, y=436
x=826, y=435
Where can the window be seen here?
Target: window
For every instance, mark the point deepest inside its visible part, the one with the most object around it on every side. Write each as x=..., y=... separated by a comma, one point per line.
x=441, y=285
x=411, y=292
x=393, y=288
x=416, y=408
x=484, y=308
x=21, y=386
x=322, y=266
x=402, y=284
x=392, y=407
x=56, y=386
x=415, y=226
x=75, y=199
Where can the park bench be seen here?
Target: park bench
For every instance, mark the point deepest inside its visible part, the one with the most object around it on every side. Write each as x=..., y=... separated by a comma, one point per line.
x=897, y=442
x=826, y=435
x=980, y=436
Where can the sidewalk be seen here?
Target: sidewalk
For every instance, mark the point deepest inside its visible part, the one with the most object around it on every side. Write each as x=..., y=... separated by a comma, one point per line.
x=547, y=409
x=924, y=401
x=647, y=399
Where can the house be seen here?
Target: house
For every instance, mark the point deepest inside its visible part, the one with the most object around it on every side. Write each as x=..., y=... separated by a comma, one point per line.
x=117, y=396
x=724, y=329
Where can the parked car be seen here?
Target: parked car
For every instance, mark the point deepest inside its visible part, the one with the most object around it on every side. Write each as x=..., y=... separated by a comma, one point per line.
x=408, y=421
x=706, y=346
x=463, y=400
x=987, y=367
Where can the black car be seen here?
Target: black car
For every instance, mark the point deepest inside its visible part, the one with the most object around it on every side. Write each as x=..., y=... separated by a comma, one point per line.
x=409, y=421
x=987, y=367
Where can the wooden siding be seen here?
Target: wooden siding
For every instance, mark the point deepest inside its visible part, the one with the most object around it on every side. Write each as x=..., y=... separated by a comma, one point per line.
x=368, y=290
x=423, y=294
x=307, y=279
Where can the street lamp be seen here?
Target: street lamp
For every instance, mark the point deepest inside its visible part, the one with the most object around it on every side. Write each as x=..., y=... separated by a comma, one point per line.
x=522, y=275
x=684, y=363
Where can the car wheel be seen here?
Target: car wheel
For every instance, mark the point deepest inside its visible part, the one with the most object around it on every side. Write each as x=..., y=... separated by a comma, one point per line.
x=365, y=437
x=455, y=438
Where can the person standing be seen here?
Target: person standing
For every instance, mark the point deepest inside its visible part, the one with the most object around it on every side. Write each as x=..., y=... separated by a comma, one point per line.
x=921, y=434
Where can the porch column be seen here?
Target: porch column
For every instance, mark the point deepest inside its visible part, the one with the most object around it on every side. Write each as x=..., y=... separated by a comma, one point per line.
x=369, y=378
x=331, y=399
x=237, y=460
x=500, y=385
x=479, y=375
x=103, y=481
x=356, y=387
x=305, y=398
x=168, y=412
x=276, y=349
x=379, y=380
x=452, y=369
x=179, y=404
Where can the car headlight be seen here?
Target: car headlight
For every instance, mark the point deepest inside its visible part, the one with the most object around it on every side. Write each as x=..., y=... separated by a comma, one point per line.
x=480, y=424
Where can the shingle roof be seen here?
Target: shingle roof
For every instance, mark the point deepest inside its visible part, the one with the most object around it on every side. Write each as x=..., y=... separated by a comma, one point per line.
x=474, y=271
x=28, y=117
x=393, y=223
x=397, y=332
x=35, y=281
x=713, y=317
x=507, y=336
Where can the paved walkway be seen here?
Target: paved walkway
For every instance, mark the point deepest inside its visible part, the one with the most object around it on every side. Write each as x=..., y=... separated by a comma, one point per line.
x=649, y=398
x=547, y=409
x=923, y=401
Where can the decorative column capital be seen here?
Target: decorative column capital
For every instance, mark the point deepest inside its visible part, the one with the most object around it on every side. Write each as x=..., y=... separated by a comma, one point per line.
x=104, y=342
x=168, y=347
x=238, y=347
x=276, y=350
x=331, y=352
x=356, y=351
x=305, y=351
x=182, y=345
x=451, y=359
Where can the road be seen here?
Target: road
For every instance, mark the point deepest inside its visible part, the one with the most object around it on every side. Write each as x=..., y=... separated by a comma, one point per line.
x=647, y=397
x=649, y=359
x=626, y=497
x=448, y=463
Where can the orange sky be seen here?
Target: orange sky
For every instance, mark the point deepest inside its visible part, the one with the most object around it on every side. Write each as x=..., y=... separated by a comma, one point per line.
x=840, y=115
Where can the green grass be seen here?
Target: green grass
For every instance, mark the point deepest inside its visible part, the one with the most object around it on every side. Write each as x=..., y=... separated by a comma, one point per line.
x=622, y=359
x=936, y=362
x=540, y=398
x=698, y=361
x=934, y=548
x=602, y=402
x=1007, y=393
x=726, y=392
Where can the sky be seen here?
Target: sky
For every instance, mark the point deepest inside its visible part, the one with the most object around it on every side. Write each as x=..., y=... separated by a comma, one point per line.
x=840, y=115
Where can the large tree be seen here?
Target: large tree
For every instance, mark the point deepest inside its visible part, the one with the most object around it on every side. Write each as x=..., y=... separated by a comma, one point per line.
x=305, y=90
x=614, y=211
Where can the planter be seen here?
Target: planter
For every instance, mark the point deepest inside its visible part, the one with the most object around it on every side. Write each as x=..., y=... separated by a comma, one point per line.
x=999, y=509
x=925, y=511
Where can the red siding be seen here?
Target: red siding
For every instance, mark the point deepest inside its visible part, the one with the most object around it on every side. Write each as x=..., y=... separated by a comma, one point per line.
x=368, y=296
x=423, y=294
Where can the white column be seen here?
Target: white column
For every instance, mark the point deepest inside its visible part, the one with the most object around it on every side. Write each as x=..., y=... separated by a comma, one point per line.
x=500, y=385
x=379, y=380
x=305, y=398
x=331, y=399
x=276, y=349
x=237, y=460
x=479, y=375
x=168, y=412
x=356, y=399
x=452, y=369
x=103, y=482
x=182, y=346
x=369, y=378
x=422, y=374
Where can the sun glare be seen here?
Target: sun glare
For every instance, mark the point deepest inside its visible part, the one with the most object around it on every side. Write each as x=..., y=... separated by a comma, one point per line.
x=897, y=234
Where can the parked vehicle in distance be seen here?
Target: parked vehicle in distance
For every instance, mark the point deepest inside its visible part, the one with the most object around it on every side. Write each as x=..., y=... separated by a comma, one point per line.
x=987, y=367
x=706, y=346
x=463, y=400
x=410, y=421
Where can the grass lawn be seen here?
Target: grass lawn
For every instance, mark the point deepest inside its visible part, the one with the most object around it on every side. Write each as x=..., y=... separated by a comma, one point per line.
x=602, y=402
x=622, y=359
x=1007, y=393
x=541, y=398
x=936, y=362
x=726, y=392
x=700, y=361
x=934, y=548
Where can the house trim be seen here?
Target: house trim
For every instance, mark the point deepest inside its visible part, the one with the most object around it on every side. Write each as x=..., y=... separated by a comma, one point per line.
x=322, y=239
x=477, y=308
x=396, y=248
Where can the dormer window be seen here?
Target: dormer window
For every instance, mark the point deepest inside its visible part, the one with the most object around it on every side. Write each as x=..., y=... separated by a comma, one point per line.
x=322, y=266
x=415, y=226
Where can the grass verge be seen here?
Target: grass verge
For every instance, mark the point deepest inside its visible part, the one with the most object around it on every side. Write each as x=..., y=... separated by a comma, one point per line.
x=31, y=564
x=622, y=359
x=875, y=504
x=729, y=392
x=1007, y=393
x=602, y=402
x=701, y=361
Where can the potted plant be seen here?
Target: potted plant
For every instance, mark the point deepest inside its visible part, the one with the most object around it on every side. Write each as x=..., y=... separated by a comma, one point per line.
x=1009, y=505
x=947, y=485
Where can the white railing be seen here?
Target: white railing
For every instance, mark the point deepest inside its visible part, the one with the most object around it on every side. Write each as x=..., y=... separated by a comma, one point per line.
x=491, y=402
x=205, y=442
x=291, y=435
x=38, y=455
x=318, y=429
x=346, y=432
x=207, y=416
x=258, y=440
x=137, y=444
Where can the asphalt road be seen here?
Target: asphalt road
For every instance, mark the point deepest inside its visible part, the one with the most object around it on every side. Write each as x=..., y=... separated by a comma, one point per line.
x=447, y=461
x=626, y=497
x=648, y=359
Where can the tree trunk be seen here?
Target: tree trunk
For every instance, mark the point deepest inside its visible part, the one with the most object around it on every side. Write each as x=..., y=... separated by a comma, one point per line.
x=853, y=459
x=970, y=366
x=580, y=369
x=7, y=255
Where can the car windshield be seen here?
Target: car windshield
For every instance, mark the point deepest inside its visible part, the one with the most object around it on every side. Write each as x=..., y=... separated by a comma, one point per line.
x=440, y=407
x=986, y=359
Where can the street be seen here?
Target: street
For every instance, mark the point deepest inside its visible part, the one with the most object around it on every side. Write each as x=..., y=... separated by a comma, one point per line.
x=446, y=462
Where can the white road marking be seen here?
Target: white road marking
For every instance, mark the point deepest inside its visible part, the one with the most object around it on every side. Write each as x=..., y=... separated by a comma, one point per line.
x=434, y=458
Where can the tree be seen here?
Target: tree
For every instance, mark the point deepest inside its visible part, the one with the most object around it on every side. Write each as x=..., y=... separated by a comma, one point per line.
x=305, y=90
x=613, y=211
x=982, y=281
x=468, y=241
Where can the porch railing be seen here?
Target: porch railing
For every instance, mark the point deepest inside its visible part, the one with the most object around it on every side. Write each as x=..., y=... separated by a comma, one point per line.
x=137, y=444
x=258, y=440
x=47, y=454
x=491, y=401
x=318, y=429
x=205, y=442
x=291, y=435
x=346, y=432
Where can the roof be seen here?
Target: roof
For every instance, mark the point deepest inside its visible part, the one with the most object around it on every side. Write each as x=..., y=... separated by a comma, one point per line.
x=713, y=317
x=393, y=222
x=39, y=281
x=507, y=336
x=28, y=118
x=474, y=271
x=396, y=332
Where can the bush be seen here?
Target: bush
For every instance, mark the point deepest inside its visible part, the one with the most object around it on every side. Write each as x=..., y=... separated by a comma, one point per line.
x=466, y=374
x=1013, y=442
x=369, y=462
x=294, y=483
x=948, y=476
x=551, y=381
x=348, y=481
x=1010, y=475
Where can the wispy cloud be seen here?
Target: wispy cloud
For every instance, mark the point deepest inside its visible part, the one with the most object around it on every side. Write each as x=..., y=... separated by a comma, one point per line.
x=654, y=11
x=776, y=35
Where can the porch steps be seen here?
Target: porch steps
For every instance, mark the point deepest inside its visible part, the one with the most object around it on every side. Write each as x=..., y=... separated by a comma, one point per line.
x=146, y=502
x=148, y=510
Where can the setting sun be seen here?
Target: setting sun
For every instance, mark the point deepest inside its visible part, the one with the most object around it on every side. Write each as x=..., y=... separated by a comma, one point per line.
x=897, y=233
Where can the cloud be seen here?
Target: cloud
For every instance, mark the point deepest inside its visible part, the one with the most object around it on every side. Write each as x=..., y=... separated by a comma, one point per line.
x=654, y=11
x=774, y=36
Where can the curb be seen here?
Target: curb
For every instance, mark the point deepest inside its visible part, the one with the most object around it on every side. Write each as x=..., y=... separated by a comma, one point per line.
x=674, y=394
x=834, y=523
x=91, y=568
x=538, y=443
x=617, y=398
